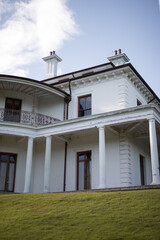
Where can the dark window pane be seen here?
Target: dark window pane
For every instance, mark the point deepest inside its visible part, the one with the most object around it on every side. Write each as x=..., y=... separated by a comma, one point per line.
x=3, y=172
x=88, y=102
x=87, y=112
x=81, y=156
x=12, y=158
x=11, y=177
x=81, y=113
x=9, y=102
x=88, y=155
x=82, y=103
x=4, y=157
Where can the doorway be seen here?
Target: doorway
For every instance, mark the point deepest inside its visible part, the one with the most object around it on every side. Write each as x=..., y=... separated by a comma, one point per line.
x=12, y=110
x=84, y=170
x=7, y=171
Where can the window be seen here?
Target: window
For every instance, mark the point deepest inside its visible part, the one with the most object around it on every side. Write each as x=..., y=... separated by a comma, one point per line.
x=84, y=106
x=138, y=102
x=7, y=171
x=84, y=170
x=12, y=110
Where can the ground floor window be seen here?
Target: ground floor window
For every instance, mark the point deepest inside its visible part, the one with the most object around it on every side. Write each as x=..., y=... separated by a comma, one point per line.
x=84, y=170
x=7, y=171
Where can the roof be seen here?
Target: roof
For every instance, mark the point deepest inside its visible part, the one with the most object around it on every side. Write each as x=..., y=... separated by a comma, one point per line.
x=4, y=79
x=103, y=68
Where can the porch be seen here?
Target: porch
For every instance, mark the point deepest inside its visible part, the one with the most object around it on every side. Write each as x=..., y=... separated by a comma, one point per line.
x=140, y=124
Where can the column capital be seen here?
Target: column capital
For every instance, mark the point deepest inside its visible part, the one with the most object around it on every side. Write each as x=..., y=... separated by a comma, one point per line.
x=48, y=136
x=101, y=126
x=152, y=119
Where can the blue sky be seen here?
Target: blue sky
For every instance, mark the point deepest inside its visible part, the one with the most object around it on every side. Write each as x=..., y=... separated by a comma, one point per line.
x=83, y=33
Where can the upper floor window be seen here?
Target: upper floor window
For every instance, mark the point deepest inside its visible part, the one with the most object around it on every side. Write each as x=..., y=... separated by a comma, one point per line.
x=84, y=106
x=12, y=110
x=138, y=102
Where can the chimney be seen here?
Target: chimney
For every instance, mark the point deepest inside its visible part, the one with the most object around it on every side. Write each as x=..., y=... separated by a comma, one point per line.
x=51, y=64
x=119, y=58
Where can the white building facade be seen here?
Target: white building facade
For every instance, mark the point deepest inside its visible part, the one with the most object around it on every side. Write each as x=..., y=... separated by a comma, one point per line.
x=90, y=129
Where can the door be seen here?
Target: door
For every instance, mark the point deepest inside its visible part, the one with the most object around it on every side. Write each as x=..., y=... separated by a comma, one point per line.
x=12, y=110
x=84, y=170
x=142, y=173
x=7, y=171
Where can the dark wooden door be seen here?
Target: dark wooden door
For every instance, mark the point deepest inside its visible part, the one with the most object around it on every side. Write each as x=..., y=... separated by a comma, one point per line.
x=7, y=171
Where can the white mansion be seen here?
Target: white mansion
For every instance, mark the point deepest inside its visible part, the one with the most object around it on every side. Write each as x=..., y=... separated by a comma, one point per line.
x=94, y=128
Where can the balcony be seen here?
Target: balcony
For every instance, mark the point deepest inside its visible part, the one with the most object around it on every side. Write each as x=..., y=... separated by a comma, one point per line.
x=25, y=117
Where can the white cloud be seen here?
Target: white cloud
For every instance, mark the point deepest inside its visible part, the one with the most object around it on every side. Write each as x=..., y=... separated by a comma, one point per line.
x=31, y=29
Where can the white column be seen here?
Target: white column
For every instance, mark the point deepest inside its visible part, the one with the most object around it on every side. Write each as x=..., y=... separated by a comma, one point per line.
x=102, y=158
x=28, y=165
x=47, y=165
x=154, y=152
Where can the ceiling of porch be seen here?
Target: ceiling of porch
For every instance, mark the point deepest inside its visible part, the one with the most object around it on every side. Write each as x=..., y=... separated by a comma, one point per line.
x=137, y=130
x=28, y=86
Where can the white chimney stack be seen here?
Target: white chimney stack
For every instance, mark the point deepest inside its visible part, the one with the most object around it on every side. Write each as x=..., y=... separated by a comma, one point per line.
x=119, y=58
x=51, y=64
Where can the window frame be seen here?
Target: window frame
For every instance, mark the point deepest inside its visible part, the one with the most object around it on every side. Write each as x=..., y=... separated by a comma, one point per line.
x=8, y=162
x=84, y=160
x=13, y=109
x=86, y=109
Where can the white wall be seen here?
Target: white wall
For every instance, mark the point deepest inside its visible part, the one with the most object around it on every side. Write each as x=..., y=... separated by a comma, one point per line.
x=133, y=95
x=57, y=166
x=11, y=144
x=27, y=101
x=140, y=147
x=91, y=142
x=110, y=94
x=104, y=97
x=50, y=106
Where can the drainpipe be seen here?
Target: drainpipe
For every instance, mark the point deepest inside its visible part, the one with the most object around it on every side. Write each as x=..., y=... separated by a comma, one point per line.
x=65, y=164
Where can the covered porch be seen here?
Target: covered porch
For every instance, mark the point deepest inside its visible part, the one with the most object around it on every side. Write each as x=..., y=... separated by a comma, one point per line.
x=137, y=126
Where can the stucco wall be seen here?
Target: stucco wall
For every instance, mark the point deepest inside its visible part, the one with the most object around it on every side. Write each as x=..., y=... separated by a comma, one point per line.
x=110, y=94
x=12, y=144
x=104, y=97
x=140, y=147
x=91, y=142
x=50, y=106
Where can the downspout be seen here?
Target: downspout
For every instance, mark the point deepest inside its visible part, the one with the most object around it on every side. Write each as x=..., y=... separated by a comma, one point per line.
x=67, y=100
x=65, y=164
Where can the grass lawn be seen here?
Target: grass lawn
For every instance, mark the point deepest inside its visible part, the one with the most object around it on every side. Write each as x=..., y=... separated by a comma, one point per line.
x=93, y=215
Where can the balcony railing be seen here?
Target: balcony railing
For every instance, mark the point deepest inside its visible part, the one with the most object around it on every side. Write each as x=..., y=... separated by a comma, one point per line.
x=25, y=117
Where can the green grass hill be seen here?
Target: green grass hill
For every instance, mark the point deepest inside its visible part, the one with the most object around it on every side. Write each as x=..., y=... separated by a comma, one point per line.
x=85, y=215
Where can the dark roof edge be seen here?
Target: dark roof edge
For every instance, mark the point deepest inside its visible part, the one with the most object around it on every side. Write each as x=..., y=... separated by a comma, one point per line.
x=111, y=69
x=90, y=68
x=143, y=81
x=33, y=80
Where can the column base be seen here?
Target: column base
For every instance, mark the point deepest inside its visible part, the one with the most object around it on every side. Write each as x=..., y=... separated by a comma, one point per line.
x=155, y=183
x=46, y=190
x=101, y=187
